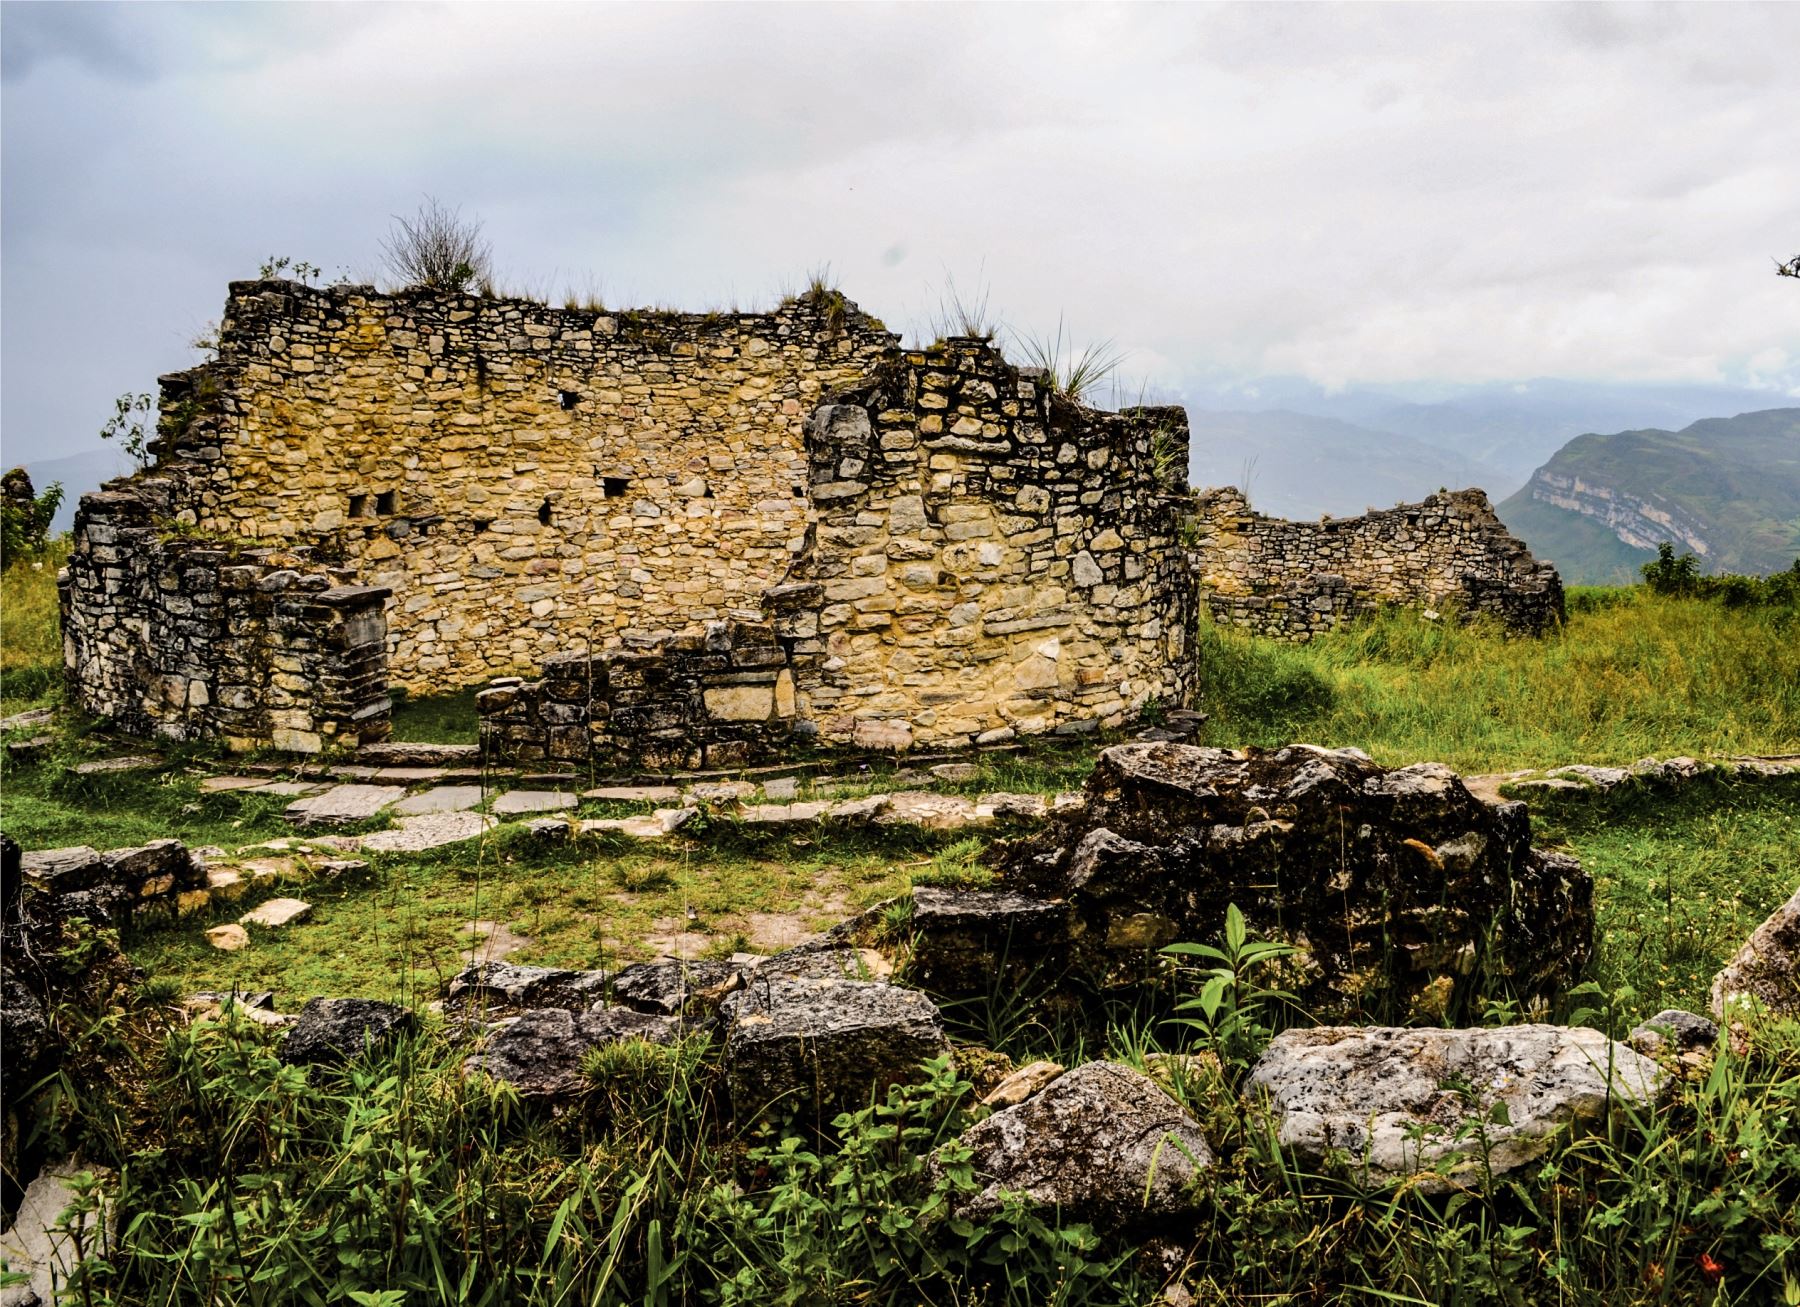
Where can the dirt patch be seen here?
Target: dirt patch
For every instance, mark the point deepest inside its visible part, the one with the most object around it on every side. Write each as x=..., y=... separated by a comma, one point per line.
x=494, y=941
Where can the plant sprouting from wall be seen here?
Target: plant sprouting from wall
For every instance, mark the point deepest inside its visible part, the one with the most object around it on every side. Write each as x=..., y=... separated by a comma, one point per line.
x=1167, y=458
x=822, y=294
x=438, y=249
x=1074, y=376
x=126, y=426
x=963, y=314
x=280, y=266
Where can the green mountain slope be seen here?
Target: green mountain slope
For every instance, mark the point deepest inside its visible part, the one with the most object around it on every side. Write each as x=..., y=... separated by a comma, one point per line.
x=1726, y=489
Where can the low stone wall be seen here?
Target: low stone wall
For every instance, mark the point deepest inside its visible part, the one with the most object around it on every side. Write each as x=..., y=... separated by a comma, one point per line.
x=159, y=879
x=1292, y=580
x=720, y=698
x=184, y=639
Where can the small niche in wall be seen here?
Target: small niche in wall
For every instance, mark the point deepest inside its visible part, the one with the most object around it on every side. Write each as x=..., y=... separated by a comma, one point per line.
x=614, y=487
x=544, y=512
x=481, y=524
x=799, y=492
x=359, y=505
x=386, y=503
x=568, y=398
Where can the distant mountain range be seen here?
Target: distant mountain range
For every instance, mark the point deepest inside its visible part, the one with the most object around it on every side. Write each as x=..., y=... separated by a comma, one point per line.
x=78, y=473
x=1724, y=489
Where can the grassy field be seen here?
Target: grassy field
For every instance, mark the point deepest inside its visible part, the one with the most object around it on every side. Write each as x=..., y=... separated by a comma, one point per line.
x=30, y=645
x=1630, y=675
x=399, y=1182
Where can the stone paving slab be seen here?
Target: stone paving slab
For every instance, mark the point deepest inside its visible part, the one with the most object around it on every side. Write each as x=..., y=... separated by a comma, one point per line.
x=445, y=798
x=515, y=802
x=24, y=721
x=291, y=788
x=343, y=804
x=101, y=766
x=277, y=913
x=426, y=830
x=786, y=814
x=634, y=793
x=225, y=784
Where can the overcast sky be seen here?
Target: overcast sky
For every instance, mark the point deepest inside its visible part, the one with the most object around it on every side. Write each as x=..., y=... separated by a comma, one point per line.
x=1355, y=195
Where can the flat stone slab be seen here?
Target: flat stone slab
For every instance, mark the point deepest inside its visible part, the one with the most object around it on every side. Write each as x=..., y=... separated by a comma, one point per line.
x=505, y=985
x=277, y=913
x=721, y=793
x=292, y=789
x=101, y=766
x=228, y=938
x=1418, y=1104
x=426, y=830
x=517, y=802
x=783, y=789
x=343, y=804
x=225, y=784
x=785, y=814
x=932, y=811
x=634, y=793
x=332, y=1030
x=445, y=798
x=540, y=1054
x=24, y=721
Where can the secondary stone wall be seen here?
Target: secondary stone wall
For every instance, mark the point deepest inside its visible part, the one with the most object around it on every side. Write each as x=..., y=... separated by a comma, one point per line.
x=184, y=639
x=1293, y=580
x=521, y=477
x=988, y=560
x=720, y=698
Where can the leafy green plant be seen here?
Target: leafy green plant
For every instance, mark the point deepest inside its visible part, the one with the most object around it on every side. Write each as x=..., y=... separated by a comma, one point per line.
x=127, y=425
x=438, y=249
x=1230, y=1007
x=25, y=515
x=280, y=266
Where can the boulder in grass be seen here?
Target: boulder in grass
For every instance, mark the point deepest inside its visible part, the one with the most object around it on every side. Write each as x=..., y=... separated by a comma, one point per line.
x=1100, y=1144
x=540, y=1054
x=824, y=1046
x=1766, y=971
x=506, y=986
x=335, y=1030
x=968, y=941
x=672, y=987
x=1443, y=1109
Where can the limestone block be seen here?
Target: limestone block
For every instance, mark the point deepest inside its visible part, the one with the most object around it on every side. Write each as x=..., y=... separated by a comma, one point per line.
x=741, y=703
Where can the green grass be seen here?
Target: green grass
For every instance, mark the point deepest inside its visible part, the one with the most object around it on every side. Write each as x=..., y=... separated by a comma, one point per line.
x=30, y=642
x=437, y=718
x=1628, y=676
x=1679, y=881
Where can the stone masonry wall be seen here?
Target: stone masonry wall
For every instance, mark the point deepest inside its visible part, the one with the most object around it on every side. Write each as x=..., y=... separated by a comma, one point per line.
x=184, y=639
x=524, y=479
x=987, y=560
x=1293, y=580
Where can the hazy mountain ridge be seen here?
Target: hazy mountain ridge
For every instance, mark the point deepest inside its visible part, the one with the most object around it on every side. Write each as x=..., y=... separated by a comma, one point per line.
x=1725, y=489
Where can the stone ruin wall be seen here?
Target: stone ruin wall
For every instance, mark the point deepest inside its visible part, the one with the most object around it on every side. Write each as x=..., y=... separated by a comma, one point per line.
x=185, y=639
x=988, y=560
x=525, y=479
x=1293, y=580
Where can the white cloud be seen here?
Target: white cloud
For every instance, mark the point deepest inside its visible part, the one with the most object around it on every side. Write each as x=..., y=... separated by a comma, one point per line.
x=1353, y=194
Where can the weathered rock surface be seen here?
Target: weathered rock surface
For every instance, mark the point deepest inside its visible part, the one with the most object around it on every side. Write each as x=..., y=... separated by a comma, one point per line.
x=515, y=802
x=540, y=1053
x=444, y=798
x=1400, y=1103
x=332, y=1030
x=969, y=941
x=1392, y=881
x=228, y=937
x=1673, y=1030
x=343, y=805
x=1101, y=1144
x=505, y=986
x=426, y=830
x=276, y=913
x=1019, y=1085
x=32, y=1245
x=1767, y=969
x=823, y=1046
x=667, y=988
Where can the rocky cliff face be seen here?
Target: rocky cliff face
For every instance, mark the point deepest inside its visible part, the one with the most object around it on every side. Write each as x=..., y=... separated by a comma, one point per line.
x=1641, y=521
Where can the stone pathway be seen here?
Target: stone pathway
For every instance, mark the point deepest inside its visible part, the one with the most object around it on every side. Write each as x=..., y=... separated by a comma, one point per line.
x=425, y=830
x=342, y=805
x=516, y=803
x=445, y=798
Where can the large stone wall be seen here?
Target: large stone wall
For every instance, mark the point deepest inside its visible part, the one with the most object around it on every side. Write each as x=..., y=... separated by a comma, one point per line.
x=987, y=560
x=1293, y=580
x=184, y=639
x=524, y=479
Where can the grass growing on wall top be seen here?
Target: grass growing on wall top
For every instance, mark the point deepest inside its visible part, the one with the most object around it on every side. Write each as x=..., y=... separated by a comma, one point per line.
x=1631, y=674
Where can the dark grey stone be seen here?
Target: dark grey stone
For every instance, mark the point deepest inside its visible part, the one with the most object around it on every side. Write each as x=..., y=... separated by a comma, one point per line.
x=968, y=941
x=824, y=1046
x=1101, y=1144
x=1683, y=1032
x=333, y=1030
x=540, y=1053
x=506, y=986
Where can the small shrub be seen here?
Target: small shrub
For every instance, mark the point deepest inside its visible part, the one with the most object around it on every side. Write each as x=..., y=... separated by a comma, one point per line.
x=438, y=249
